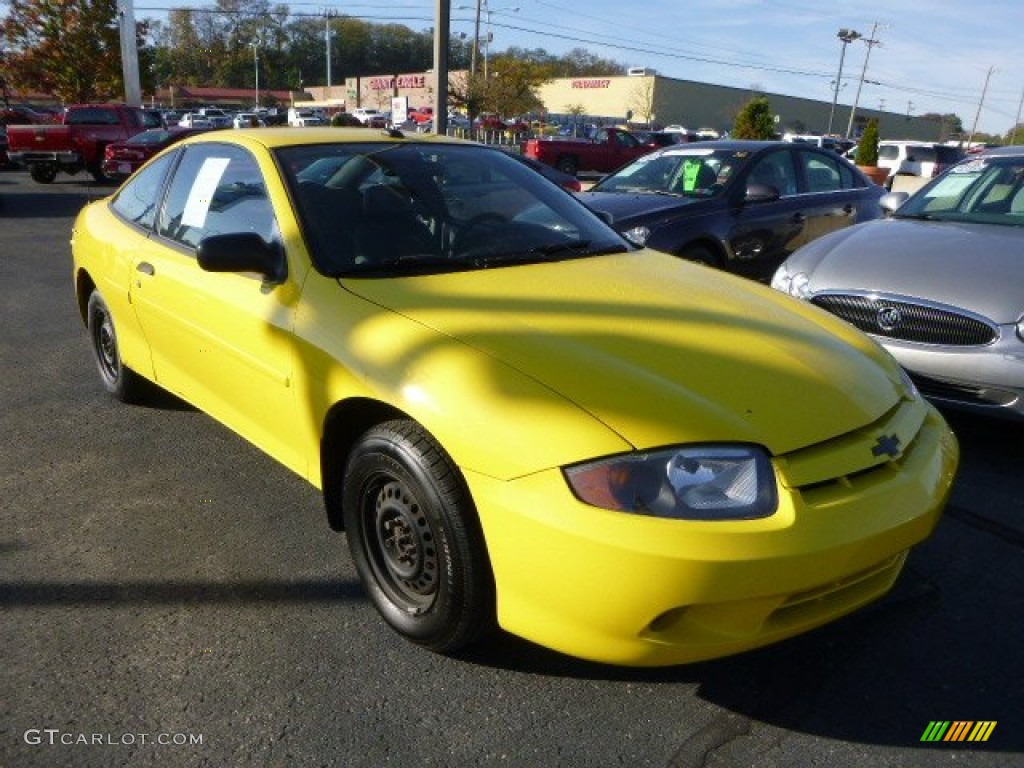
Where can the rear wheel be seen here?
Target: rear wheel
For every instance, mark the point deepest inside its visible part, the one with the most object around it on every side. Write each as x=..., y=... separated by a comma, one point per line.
x=415, y=538
x=118, y=379
x=43, y=174
x=567, y=164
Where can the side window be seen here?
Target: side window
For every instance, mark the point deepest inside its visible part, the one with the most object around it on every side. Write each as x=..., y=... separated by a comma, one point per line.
x=822, y=173
x=216, y=190
x=776, y=170
x=137, y=199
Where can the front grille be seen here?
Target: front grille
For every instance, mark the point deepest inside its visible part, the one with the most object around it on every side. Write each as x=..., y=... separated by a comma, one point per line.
x=907, y=320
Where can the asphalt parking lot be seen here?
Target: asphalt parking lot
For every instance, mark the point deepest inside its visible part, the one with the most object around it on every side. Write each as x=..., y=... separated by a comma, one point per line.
x=170, y=596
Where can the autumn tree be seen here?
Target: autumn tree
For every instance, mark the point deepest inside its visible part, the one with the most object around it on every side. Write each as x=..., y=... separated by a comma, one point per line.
x=70, y=48
x=754, y=120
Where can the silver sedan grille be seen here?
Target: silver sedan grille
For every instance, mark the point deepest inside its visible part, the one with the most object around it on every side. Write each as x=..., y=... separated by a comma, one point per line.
x=908, y=320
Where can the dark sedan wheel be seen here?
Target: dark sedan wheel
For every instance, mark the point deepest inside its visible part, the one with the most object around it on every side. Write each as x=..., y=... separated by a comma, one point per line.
x=415, y=538
x=119, y=380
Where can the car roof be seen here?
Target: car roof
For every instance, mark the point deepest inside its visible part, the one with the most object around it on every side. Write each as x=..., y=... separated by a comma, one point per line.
x=285, y=136
x=1010, y=151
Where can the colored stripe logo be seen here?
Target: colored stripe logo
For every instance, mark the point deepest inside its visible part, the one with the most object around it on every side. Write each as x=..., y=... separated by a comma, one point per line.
x=959, y=730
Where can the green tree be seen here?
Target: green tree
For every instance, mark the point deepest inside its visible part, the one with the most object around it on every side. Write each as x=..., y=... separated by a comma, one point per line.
x=70, y=48
x=867, y=147
x=754, y=120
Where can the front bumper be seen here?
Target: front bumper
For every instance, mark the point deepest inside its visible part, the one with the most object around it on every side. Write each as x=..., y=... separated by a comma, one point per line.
x=639, y=591
x=988, y=379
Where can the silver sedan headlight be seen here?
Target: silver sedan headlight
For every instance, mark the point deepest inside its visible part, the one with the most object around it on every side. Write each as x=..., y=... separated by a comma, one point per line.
x=702, y=482
x=794, y=283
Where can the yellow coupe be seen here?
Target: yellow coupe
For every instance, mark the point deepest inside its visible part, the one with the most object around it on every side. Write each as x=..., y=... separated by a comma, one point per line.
x=518, y=418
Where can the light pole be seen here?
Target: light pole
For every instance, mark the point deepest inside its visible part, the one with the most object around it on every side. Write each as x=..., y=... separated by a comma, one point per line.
x=846, y=36
x=256, y=66
x=328, y=34
x=871, y=43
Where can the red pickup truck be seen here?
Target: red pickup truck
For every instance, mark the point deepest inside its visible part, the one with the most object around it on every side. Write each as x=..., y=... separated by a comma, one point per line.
x=609, y=149
x=77, y=142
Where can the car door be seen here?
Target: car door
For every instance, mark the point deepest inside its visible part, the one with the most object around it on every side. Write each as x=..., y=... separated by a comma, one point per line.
x=829, y=194
x=763, y=233
x=222, y=341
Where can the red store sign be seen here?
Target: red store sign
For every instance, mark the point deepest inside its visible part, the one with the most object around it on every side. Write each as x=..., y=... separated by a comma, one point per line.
x=403, y=81
x=590, y=83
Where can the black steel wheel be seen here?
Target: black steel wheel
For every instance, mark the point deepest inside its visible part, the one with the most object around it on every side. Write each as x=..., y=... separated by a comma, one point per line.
x=567, y=164
x=415, y=538
x=700, y=254
x=119, y=380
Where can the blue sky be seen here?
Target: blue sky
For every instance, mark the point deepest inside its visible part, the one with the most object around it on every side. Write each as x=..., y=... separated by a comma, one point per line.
x=933, y=56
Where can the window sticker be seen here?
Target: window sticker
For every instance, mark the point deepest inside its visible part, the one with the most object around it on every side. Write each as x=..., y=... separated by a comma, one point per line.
x=702, y=152
x=201, y=194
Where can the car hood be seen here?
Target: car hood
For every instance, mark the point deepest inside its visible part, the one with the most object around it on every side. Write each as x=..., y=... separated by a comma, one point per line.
x=657, y=350
x=962, y=265
x=626, y=207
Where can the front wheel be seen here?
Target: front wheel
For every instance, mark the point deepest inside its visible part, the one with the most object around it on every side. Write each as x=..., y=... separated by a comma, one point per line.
x=567, y=164
x=415, y=538
x=118, y=379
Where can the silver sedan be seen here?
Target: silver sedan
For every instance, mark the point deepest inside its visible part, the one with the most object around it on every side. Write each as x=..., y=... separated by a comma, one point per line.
x=940, y=283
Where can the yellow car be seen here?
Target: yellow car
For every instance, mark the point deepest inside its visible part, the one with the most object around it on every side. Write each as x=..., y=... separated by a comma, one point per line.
x=518, y=418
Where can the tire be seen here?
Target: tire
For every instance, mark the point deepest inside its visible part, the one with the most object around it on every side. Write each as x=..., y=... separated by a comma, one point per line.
x=567, y=164
x=700, y=254
x=42, y=174
x=415, y=538
x=99, y=176
x=119, y=380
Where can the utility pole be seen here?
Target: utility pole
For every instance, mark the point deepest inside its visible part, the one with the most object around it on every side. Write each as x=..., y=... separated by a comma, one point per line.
x=1013, y=136
x=981, y=102
x=442, y=29
x=129, y=54
x=871, y=43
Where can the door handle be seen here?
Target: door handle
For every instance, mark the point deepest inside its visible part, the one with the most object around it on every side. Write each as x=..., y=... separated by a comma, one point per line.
x=145, y=268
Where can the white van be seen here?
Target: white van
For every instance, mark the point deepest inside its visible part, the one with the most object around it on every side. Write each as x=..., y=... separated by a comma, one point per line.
x=302, y=117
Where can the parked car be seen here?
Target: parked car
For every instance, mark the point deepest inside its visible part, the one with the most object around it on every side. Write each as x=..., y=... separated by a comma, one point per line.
x=662, y=138
x=217, y=116
x=247, y=120
x=121, y=159
x=371, y=118
x=77, y=143
x=195, y=120
x=4, y=160
x=916, y=158
x=937, y=283
x=517, y=417
x=742, y=206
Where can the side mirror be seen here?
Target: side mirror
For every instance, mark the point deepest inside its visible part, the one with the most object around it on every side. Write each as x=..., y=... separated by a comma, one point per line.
x=892, y=201
x=761, y=193
x=242, y=252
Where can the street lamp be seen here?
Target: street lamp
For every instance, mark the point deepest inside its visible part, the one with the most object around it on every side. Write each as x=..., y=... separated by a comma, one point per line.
x=846, y=36
x=871, y=42
x=256, y=66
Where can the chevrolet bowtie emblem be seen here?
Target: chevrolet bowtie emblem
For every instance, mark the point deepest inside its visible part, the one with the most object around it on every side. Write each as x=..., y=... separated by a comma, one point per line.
x=887, y=445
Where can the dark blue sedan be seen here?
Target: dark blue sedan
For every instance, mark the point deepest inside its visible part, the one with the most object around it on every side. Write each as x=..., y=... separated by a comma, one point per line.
x=742, y=206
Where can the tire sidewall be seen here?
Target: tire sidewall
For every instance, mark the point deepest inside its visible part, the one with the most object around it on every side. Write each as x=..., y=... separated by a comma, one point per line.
x=381, y=456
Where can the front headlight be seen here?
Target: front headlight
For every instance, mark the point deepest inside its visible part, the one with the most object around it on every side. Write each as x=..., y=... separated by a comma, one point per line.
x=702, y=482
x=794, y=283
x=637, y=235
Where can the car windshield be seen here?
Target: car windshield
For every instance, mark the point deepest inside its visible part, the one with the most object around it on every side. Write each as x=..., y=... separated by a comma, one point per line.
x=381, y=209
x=685, y=171
x=153, y=136
x=988, y=190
